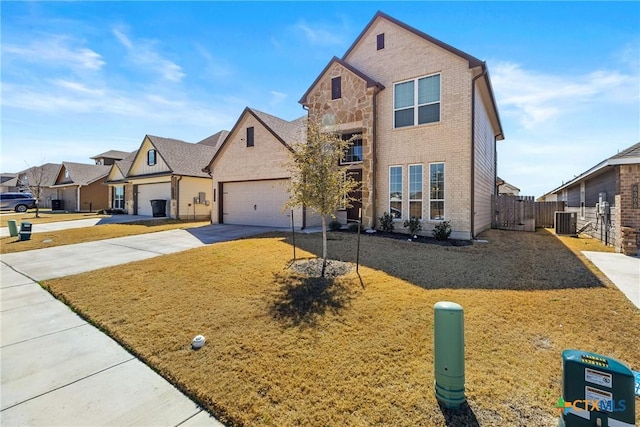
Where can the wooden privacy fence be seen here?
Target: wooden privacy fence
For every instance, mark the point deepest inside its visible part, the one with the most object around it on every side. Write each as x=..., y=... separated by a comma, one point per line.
x=516, y=213
x=545, y=213
x=522, y=213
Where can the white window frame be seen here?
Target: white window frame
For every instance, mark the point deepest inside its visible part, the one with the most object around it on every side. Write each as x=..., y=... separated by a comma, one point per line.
x=118, y=202
x=443, y=200
x=416, y=106
x=421, y=199
x=400, y=192
x=152, y=152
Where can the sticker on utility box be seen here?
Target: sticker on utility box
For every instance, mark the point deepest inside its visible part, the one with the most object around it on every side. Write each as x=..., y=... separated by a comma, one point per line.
x=604, y=398
x=597, y=377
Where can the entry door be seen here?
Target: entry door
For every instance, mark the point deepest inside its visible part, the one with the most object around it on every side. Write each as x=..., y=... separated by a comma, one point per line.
x=355, y=195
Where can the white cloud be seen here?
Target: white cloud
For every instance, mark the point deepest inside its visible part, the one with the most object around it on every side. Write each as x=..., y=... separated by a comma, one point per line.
x=57, y=50
x=143, y=54
x=77, y=87
x=277, y=98
x=535, y=98
x=317, y=35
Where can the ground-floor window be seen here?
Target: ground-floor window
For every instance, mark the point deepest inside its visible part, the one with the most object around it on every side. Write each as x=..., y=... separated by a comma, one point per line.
x=415, y=191
x=436, y=192
x=118, y=197
x=395, y=191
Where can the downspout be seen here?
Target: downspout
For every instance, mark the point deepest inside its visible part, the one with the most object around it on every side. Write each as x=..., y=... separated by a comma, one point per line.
x=78, y=199
x=178, y=179
x=304, y=208
x=374, y=160
x=473, y=147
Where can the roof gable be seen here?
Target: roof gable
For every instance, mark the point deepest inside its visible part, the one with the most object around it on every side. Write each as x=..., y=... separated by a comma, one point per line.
x=284, y=131
x=172, y=157
x=473, y=62
x=368, y=80
x=80, y=173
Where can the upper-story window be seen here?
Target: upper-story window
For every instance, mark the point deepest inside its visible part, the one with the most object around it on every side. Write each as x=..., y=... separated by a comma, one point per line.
x=151, y=157
x=416, y=101
x=336, y=88
x=354, y=152
x=250, y=141
x=380, y=41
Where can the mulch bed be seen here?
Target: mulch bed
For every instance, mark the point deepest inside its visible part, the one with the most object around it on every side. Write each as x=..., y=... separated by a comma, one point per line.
x=415, y=238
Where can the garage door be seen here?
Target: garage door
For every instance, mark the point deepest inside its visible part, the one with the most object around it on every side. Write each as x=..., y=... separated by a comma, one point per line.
x=148, y=192
x=256, y=203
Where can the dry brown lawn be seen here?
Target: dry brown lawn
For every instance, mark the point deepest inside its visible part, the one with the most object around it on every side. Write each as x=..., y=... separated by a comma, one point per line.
x=93, y=233
x=287, y=350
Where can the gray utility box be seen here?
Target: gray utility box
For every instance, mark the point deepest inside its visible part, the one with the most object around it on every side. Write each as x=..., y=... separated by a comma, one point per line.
x=597, y=391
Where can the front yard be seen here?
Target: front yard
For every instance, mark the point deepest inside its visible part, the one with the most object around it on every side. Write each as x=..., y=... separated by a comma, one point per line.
x=285, y=350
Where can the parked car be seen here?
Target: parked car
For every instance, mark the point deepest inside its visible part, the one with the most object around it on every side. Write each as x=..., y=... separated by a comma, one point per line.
x=18, y=202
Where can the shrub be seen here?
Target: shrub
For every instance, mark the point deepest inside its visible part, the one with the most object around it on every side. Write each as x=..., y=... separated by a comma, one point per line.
x=413, y=225
x=353, y=227
x=335, y=225
x=386, y=222
x=442, y=231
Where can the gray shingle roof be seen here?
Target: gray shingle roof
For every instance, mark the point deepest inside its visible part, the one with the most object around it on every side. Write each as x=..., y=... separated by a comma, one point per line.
x=49, y=173
x=84, y=174
x=183, y=158
x=633, y=151
x=289, y=131
x=125, y=164
x=112, y=154
x=216, y=139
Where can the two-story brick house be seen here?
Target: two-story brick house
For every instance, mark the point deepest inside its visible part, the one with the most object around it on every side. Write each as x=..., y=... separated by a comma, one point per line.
x=429, y=125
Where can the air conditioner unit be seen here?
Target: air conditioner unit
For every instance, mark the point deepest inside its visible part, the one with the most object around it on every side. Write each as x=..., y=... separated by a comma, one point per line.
x=566, y=223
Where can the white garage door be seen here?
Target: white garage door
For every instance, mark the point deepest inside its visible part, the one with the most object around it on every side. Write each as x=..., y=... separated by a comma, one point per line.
x=256, y=203
x=148, y=192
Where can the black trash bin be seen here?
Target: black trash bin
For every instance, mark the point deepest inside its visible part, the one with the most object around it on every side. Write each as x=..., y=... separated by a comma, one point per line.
x=159, y=207
x=25, y=231
x=57, y=205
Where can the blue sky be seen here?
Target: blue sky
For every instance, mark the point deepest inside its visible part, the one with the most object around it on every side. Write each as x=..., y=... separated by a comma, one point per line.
x=81, y=78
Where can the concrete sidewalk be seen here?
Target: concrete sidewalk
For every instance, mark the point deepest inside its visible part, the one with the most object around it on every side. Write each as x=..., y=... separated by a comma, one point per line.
x=58, y=370
x=622, y=270
x=79, y=223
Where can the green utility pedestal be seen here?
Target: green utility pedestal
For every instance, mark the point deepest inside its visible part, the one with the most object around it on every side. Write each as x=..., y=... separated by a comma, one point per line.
x=448, y=353
x=13, y=227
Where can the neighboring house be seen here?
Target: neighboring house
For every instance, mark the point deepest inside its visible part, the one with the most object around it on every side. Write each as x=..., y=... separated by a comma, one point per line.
x=250, y=174
x=507, y=189
x=8, y=182
x=548, y=197
x=165, y=169
x=429, y=124
x=120, y=190
x=614, y=182
x=43, y=176
x=80, y=187
x=110, y=157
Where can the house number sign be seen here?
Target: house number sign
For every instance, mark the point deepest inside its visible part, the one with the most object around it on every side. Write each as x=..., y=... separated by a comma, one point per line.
x=634, y=196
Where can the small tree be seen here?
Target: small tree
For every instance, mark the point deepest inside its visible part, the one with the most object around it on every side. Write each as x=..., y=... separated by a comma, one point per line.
x=318, y=181
x=34, y=179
